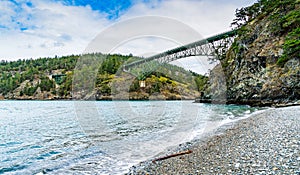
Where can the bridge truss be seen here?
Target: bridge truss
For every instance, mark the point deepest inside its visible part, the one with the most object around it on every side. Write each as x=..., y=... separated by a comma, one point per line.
x=214, y=47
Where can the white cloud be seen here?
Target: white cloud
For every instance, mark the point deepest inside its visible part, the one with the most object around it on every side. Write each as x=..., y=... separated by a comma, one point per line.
x=51, y=28
x=205, y=17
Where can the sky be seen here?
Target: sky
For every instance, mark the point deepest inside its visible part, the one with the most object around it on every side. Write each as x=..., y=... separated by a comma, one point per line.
x=46, y=28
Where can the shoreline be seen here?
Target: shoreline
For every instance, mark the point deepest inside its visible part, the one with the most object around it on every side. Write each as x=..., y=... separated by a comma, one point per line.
x=266, y=142
x=258, y=103
x=252, y=103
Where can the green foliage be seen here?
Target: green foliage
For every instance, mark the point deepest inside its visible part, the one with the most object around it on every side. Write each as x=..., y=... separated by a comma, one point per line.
x=269, y=6
x=201, y=82
x=291, y=20
x=105, y=89
x=155, y=83
x=103, y=83
x=8, y=82
x=44, y=64
x=66, y=87
x=112, y=63
x=291, y=47
x=29, y=90
x=13, y=73
x=243, y=30
x=276, y=9
x=284, y=20
x=284, y=15
x=135, y=86
x=46, y=84
x=103, y=70
x=246, y=14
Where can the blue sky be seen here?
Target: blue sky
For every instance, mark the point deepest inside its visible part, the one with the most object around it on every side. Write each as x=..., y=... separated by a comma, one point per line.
x=45, y=28
x=114, y=8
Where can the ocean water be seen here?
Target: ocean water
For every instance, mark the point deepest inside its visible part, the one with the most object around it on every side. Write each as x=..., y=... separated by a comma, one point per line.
x=107, y=137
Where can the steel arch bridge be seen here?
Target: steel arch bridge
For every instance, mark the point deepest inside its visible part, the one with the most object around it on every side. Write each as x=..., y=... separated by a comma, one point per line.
x=213, y=46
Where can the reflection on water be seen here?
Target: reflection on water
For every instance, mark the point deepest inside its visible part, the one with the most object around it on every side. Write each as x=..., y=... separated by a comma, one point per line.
x=67, y=137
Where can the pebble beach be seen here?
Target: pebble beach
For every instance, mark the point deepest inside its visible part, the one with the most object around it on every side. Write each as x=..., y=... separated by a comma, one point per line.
x=265, y=143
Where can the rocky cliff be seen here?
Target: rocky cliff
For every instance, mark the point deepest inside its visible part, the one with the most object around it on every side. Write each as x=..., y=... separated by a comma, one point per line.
x=262, y=67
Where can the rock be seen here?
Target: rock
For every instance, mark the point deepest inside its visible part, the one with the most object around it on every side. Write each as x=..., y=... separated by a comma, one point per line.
x=262, y=145
x=237, y=165
x=292, y=64
x=247, y=82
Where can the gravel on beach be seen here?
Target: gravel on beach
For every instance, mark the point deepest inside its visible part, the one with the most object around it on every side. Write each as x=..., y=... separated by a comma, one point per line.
x=266, y=143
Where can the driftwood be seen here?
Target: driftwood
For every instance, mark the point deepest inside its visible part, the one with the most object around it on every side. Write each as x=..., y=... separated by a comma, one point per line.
x=172, y=155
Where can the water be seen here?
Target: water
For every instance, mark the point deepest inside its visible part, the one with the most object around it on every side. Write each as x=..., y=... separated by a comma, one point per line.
x=67, y=137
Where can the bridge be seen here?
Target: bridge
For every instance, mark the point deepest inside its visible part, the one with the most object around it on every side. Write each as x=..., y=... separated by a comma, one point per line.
x=213, y=46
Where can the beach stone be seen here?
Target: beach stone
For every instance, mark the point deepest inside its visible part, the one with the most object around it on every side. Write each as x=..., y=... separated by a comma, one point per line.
x=266, y=143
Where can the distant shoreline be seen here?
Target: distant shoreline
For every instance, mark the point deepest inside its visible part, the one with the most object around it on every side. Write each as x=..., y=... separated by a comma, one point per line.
x=261, y=103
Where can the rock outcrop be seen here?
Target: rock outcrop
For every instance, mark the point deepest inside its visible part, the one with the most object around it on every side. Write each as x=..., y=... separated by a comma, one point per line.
x=253, y=73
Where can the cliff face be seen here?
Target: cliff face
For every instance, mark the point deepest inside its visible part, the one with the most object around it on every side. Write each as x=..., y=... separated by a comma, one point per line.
x=263, y=64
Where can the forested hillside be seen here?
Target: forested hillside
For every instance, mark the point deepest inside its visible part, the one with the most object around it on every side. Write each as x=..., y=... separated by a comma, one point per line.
x=52, y=78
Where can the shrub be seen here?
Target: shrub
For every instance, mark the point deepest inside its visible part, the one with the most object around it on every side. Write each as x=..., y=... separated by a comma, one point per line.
x=291, y=47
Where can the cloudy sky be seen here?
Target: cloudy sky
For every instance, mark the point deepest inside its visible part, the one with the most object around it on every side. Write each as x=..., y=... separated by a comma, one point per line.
x=45, y=28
